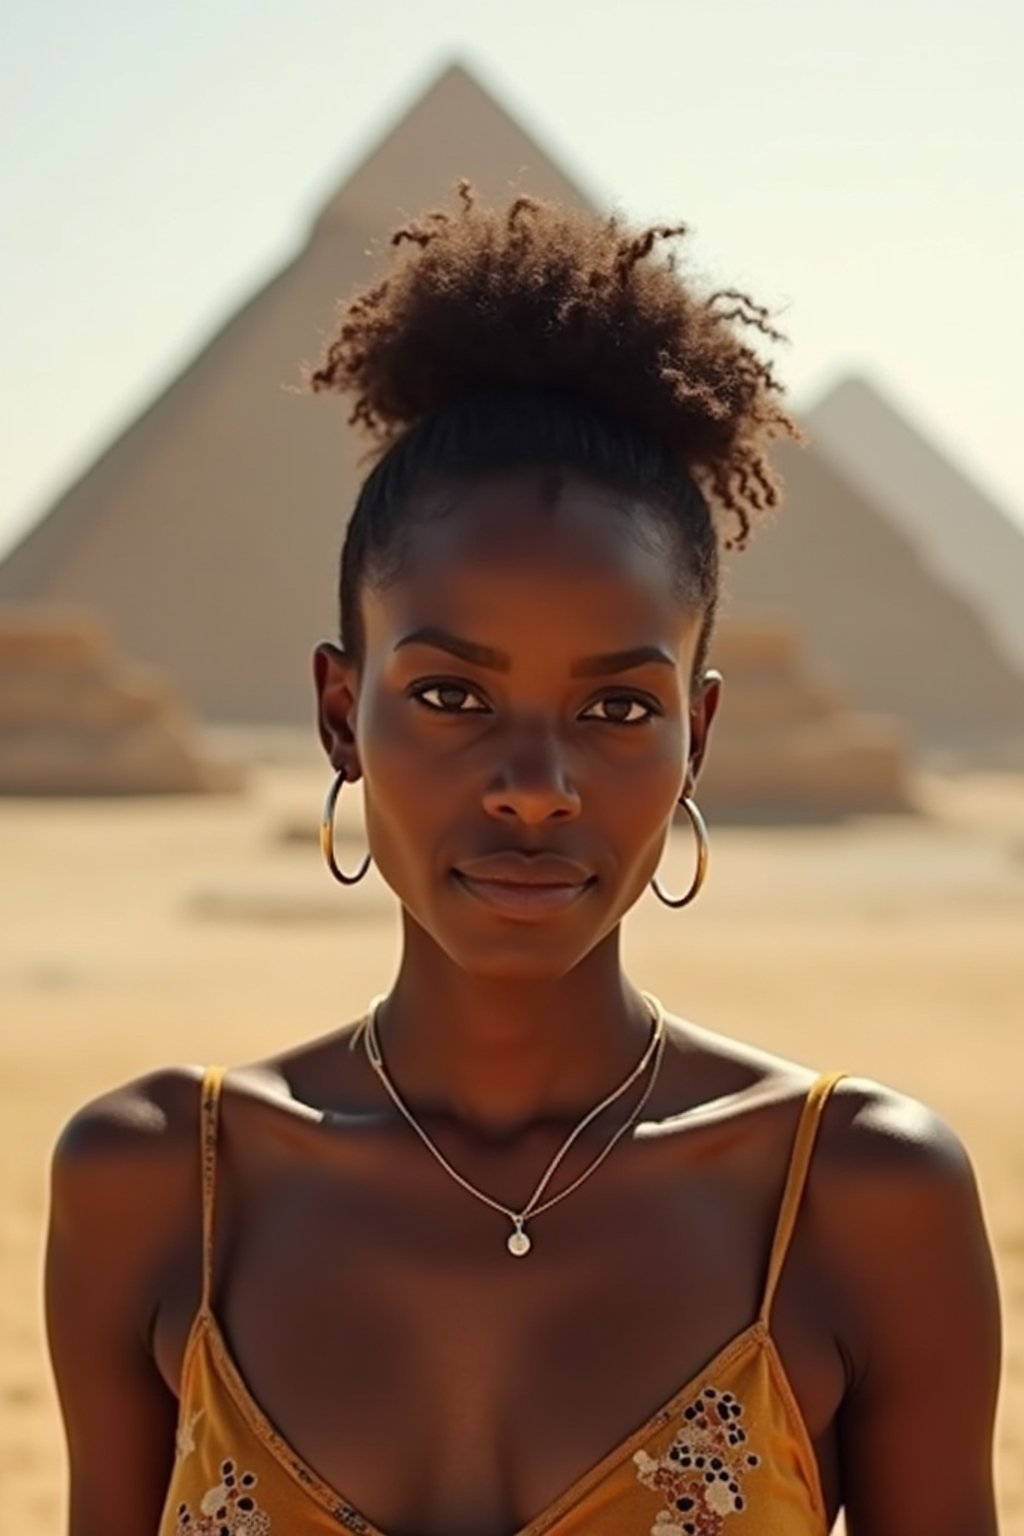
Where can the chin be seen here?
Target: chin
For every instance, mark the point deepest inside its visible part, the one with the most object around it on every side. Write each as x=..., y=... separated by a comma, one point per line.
x=514, y=963
x=511, y=951
x=501, y=948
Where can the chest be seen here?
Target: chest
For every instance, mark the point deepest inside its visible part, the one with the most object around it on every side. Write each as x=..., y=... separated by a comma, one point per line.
x=386, y=1331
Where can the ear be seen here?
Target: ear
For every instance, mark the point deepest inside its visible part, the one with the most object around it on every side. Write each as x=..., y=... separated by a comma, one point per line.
x=702, y=713
x=336, y=678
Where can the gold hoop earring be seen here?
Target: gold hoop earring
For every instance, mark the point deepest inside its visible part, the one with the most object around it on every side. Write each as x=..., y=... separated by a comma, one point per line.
x=700, y=828
x=327, y=836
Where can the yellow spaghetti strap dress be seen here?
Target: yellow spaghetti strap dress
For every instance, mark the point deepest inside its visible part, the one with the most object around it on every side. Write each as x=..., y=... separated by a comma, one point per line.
x=727, y=1455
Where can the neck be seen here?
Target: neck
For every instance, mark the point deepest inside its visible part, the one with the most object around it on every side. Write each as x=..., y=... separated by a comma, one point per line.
x=501, y=1055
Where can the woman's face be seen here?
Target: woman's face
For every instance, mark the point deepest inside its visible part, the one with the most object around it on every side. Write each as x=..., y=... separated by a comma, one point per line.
x=522, y=718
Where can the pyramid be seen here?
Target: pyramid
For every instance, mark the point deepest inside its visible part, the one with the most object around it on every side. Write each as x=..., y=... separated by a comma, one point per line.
x=971, y=544
x=208, y=534
x=876, y=621
x=787, y=747
x=76, y=719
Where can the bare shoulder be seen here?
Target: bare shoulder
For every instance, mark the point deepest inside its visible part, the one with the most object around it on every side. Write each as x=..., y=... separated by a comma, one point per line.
x=124, y=1193
x=888, y=1171
x=146, y=1115
x=899, y=1214
x=903, y=1237
x=131, y=1152
x=872, y=1137
x=880, y=1154
x=125, y=1180
x=882, y=1142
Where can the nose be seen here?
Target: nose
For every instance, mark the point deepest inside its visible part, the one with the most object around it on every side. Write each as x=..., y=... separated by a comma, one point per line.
x=532, y=784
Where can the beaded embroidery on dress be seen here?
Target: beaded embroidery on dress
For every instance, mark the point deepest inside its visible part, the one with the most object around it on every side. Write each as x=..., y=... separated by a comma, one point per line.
x=701, y=1474
x=227, y=1509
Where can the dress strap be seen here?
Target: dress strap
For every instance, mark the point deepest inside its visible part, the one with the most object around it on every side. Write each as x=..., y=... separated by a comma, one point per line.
x=208, y=1118
x=799, y=1163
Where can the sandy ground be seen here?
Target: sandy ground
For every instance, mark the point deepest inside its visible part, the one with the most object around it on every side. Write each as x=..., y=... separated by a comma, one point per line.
x=136, y=933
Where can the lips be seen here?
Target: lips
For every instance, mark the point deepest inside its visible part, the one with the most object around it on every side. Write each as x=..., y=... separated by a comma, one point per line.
x=532, y=869
x=524, y=886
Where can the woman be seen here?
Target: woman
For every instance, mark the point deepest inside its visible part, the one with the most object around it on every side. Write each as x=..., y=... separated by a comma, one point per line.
x=519, y=1251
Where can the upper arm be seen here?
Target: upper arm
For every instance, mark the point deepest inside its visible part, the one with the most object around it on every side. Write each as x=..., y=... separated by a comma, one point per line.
x=105, y=1242
x=907, y=1229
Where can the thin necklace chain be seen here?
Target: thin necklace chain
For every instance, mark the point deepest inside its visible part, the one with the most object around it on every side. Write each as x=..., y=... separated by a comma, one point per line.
x=519, y=1243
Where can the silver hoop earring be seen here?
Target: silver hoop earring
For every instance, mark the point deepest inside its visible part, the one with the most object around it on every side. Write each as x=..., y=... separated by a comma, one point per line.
x=327, y=836
x=700, y=828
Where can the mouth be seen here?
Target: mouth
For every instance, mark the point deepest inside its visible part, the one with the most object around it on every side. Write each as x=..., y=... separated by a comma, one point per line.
x=523, y=899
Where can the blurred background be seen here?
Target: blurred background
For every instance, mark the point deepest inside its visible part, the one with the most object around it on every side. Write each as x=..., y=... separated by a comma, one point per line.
x=188, y=192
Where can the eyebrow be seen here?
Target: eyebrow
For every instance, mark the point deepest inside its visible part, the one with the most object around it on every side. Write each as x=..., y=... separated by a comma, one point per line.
x=497, y=661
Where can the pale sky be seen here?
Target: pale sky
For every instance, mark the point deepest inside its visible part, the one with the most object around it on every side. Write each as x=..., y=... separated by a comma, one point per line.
x=854, y=163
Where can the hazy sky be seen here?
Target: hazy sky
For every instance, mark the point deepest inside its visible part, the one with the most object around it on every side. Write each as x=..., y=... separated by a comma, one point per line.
x=856, y=163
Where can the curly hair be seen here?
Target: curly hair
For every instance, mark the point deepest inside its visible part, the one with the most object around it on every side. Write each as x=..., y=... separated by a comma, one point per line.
x=541, y=335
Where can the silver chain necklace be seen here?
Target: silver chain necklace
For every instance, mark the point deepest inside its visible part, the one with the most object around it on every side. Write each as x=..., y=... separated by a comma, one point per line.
x=518, y=1242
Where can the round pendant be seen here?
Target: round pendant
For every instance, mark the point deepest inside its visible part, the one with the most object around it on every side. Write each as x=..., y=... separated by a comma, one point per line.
x=519, y=1243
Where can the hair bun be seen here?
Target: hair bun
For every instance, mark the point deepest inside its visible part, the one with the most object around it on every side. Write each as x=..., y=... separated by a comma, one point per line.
x=541, y=297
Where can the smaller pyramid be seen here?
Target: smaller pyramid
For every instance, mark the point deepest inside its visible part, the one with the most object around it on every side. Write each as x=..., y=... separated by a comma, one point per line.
x=974, y=547
x=76, y=720
x=875, y=616
x=786, y=747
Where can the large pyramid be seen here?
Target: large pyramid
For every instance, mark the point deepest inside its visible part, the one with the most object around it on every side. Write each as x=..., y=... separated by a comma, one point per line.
x=207, y=535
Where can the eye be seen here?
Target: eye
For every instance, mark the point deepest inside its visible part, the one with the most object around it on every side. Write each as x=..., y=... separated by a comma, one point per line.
x=451, y=696
x=620, y=705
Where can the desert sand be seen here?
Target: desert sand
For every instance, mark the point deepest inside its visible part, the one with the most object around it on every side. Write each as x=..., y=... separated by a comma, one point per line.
x=145, y=931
